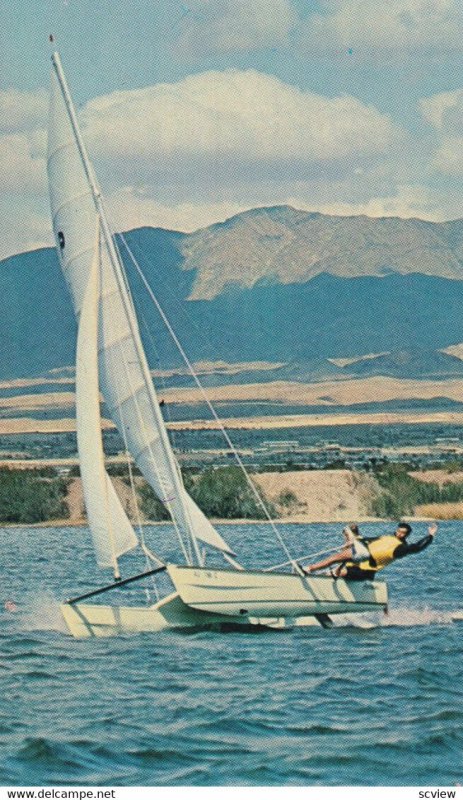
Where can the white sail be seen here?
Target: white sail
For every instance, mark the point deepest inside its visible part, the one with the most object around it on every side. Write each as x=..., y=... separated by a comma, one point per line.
x=124, y=374
x=111, y=530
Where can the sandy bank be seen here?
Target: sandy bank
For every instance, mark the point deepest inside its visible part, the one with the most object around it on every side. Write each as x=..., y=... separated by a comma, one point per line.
x=319, y=495
x=30, y=425
x=299, y=497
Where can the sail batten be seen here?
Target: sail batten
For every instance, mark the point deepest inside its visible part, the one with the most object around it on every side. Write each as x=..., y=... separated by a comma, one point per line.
x=115, y=342
x=147, y=448
x=124, y=400
x=69, y=144
x=78, y=255
x=124, y=376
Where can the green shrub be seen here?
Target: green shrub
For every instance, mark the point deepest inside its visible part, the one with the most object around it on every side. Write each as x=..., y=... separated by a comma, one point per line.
x=225, y=493
x=150, y=506
x=222, y=492
x=454, y=465
x=401, y=492
x=451, y=493
x=287, y=498
x=27, y=497
x=121, y=470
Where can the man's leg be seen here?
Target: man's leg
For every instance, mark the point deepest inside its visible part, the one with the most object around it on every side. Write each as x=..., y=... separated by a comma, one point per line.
x=336, y=558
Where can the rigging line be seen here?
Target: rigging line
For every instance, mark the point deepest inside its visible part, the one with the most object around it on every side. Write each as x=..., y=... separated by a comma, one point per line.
x=99, y=279
x=129, y=308
x=120, y=411
x=162, y=378
x=253, y=488
x=202, y=335
x=153, y=460
x=163, y=436
x=123, y=425
x=149, y=555
x=121, y=280
x=302, y=558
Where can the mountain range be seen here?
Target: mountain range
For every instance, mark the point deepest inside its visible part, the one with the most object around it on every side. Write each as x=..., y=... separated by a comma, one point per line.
x=284, y=245
x=278, y=285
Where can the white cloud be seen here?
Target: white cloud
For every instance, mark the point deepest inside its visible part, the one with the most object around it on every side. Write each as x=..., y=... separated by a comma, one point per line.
x=407, y=201
x=186, y=155
x=132, y=208
x=228, y=121
x=448, y=158
x=372, y=29
x=22, y=229
x=24, y=218
x=22, y=111
x=22, y=140
x=20, y=169
x=214, y=26
x=444, y=112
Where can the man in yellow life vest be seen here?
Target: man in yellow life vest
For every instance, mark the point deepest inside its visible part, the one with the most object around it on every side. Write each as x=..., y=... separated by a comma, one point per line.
x=383, y=550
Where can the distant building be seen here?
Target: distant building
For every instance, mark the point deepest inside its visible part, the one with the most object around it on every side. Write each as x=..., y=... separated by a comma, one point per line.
x=280, y=445
x=451, y=443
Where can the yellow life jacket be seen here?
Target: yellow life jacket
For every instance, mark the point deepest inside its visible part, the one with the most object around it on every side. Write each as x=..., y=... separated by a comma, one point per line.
x=381, y=553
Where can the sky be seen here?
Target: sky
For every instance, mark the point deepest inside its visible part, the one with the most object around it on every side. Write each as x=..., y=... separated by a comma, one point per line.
x=195, y=110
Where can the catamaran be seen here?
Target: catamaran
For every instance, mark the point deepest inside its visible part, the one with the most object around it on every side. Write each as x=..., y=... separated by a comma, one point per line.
x=110, y=359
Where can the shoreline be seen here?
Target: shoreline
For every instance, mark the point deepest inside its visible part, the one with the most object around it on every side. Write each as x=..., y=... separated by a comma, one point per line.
x=66, y=523
x=301, y=497
x=13, y=426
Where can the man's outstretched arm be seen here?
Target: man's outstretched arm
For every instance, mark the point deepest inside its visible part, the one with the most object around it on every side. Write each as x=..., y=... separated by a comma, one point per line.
x=405, y=549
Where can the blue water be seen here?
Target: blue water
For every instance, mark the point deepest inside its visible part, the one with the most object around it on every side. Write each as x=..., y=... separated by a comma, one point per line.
x=374, y=701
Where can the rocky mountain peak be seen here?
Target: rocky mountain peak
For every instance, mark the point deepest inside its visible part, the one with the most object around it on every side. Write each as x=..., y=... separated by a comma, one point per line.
x=285, y=245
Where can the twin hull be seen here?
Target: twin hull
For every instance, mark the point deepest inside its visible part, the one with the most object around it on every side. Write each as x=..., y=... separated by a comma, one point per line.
x=207, y=598
x=246, y=593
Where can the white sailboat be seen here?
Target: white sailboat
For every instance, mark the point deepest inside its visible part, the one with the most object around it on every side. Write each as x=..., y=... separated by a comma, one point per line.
x=111, y=359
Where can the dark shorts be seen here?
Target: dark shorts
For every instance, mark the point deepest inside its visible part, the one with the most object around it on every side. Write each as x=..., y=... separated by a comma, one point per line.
x=354, y=573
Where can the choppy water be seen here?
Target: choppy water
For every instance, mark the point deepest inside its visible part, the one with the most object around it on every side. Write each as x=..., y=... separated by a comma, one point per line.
x=375, y=701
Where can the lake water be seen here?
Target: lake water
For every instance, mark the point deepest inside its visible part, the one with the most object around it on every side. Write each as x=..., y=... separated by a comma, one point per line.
x=374, y=701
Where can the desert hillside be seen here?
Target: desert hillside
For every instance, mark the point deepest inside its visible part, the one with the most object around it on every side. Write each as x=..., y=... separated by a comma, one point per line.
x=32, y=495
x=319, y=496
x=294, y=246
x=257, y=288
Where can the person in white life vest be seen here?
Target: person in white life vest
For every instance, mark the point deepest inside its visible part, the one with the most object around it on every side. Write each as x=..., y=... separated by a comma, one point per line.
x=352, y=538
x=382, y=551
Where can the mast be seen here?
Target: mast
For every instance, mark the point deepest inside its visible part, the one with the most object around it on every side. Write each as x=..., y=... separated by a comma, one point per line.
x=125, y=297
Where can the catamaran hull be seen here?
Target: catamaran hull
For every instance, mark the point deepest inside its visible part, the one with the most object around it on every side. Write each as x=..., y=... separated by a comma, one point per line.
x=210, y=598
x=244, y=594
x=85, y=621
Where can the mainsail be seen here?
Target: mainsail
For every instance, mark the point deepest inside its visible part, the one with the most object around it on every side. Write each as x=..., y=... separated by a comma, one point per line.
x=125, y=380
